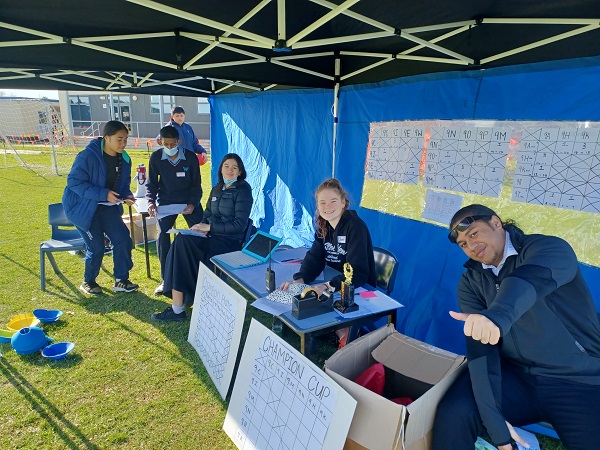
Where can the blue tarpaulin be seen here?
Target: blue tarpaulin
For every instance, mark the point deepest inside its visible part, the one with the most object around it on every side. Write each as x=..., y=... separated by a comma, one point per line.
x=285, y=139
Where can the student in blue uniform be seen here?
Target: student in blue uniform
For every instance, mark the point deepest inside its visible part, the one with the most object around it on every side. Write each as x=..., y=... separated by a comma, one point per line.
x=97, y=184
x=189, y=141
x=225, y=219
x=173, y=178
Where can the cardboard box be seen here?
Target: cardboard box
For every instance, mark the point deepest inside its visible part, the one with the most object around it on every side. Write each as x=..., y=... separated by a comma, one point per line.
x=138, y=231
x=413, y=369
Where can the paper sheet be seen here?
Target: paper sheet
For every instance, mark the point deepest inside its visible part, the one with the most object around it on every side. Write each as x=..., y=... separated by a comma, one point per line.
x=188, y=232
x=170, y=210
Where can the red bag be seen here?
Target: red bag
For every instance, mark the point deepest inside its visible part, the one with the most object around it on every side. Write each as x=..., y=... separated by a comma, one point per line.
x=373, y=378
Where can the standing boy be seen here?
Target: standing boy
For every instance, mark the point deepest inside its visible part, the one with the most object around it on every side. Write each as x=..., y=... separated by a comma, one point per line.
x=189, y=141
x=173, y=178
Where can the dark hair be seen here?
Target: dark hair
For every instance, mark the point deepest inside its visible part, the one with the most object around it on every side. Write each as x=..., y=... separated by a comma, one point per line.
x=113, y=127
x=240, y=163
x=471, y=210
x=478, y=210
x=177, y=110
x=334, y=185
x=169, y=132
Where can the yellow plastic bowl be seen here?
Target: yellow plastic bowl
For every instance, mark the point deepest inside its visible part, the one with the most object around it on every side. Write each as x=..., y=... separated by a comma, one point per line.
x=21, y=321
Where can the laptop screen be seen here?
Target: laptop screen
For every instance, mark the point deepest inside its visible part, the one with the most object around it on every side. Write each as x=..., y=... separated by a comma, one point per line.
x=262, y=244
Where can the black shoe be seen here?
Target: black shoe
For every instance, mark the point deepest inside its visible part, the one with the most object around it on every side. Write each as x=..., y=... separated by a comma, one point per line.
x=125, y=286
x=90, y=287
x=160, y=288
x=188, y=301
x=168, y=315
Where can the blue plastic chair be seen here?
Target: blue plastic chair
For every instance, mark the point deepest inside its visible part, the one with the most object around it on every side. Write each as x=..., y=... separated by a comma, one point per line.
x=65, y=238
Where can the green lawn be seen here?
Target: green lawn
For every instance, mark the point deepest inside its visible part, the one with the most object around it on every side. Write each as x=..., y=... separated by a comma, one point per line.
x=130, y=383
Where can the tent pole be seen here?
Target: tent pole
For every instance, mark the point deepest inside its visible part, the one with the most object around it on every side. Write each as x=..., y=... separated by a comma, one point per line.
x=336, y=91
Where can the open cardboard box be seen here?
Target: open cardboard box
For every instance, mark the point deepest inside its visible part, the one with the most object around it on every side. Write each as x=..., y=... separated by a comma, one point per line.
x=151, y=227
x=413, y=369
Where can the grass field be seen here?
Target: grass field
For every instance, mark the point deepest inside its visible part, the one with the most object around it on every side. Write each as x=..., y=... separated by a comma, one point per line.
x=130, y=383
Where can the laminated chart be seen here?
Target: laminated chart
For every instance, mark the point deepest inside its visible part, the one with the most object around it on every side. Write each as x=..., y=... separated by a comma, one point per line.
x=216, y=327
x=395, y=152
x=559, y=166
x=283, y=401
x=467, y=159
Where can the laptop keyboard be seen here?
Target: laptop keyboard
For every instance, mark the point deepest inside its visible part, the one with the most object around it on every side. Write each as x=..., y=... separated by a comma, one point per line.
x=238, y=259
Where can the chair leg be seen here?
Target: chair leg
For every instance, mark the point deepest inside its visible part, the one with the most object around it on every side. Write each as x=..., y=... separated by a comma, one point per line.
x=53, y=263
x=42, y=271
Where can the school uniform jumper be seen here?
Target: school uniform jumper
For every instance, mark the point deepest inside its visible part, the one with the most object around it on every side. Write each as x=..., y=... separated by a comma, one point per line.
x=86, y=187
x=227, y=211
x=173, y=182
x=349, y=242
x=546, y=366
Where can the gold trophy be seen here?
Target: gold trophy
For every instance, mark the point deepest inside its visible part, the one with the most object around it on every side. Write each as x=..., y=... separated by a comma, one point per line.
x=346, y=303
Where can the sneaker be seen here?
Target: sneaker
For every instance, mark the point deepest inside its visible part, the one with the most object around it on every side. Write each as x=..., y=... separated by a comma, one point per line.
x=90, y=287
x=160, y=288
x=125, y=286
x=168, y=315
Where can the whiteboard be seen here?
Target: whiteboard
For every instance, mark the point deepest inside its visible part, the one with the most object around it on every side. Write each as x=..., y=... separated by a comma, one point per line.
x=216, y=327
x=281, y=400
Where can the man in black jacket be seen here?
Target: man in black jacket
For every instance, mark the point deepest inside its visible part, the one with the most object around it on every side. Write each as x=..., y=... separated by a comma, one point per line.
x=533, y=339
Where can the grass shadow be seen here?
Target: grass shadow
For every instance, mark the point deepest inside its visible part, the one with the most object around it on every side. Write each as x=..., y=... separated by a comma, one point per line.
x=71, y=436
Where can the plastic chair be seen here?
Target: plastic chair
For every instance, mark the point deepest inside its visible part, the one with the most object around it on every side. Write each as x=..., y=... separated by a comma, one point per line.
x=386, y=269
x=65, y=238
x=248, y=232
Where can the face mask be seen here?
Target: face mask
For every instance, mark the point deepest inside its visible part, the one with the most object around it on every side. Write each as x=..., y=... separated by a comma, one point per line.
x=170, y=151
x=229, y=182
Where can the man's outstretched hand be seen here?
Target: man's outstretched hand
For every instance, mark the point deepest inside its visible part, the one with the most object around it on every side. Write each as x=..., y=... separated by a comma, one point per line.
x=478, y=327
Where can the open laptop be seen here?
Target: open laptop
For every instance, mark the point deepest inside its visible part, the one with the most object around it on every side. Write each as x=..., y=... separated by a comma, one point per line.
x=256, y=251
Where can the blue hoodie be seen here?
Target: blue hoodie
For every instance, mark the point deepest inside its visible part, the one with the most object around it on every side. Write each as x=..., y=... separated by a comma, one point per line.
x=85, y=185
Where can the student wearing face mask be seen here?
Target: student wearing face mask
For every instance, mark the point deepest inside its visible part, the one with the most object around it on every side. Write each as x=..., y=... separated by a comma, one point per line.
x=225, y=219
x=173, y=178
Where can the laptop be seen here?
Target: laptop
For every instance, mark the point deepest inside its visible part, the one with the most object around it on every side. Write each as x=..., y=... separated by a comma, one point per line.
x=256, y=251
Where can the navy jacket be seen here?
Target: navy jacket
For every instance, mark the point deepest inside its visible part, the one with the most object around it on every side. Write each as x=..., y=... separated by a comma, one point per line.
x=188, y=138
x=350, y=242
x=546, y=315
x=169, y=184
x=85, y=185
x=227, y=210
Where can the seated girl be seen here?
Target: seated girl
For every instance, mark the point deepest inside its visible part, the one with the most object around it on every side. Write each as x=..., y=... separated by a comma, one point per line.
x=341, y=237
x=224, y=222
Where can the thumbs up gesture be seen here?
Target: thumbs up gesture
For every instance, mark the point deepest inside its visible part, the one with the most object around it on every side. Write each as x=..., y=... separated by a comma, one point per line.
x=478, y=327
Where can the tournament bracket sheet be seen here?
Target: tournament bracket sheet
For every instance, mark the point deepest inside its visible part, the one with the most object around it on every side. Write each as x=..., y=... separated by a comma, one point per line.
x=216, y=327
x=283, y=401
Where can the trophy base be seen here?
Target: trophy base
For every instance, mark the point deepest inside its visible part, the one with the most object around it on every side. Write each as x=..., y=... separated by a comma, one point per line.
x=345, y=309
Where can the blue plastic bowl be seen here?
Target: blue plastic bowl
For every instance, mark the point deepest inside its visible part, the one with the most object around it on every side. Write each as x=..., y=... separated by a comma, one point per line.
x=5, y=336
x=58, y=350
x=47, y=315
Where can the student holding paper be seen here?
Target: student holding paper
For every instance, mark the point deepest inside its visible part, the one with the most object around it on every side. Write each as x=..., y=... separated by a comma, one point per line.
x=225, y=219
x=173, y=188
x=97, y=185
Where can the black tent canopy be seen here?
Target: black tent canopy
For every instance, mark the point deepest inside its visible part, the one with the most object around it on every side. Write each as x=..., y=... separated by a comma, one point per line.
x=195, y=48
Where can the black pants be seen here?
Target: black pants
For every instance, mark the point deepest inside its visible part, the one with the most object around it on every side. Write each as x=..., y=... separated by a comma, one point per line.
x=573, y=409
x=181, y=269
x=163, y=243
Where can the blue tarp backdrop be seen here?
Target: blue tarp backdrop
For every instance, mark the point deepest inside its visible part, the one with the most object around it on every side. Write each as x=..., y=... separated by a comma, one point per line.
x=285, y=139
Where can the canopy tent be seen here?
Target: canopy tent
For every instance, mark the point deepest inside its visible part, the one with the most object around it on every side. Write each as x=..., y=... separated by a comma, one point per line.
x=387, y=60
x=198, y=48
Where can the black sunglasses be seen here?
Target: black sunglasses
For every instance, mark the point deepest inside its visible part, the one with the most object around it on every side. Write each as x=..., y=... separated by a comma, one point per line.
x=464, y=224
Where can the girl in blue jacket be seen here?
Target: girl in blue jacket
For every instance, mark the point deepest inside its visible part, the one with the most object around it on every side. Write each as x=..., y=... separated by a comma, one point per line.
x=98, y=183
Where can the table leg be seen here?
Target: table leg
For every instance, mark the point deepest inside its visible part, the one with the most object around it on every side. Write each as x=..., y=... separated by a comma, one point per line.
x=145, y=232
x=131, y=227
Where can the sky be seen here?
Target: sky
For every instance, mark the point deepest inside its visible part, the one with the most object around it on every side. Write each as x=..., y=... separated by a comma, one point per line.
x=28, y=93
